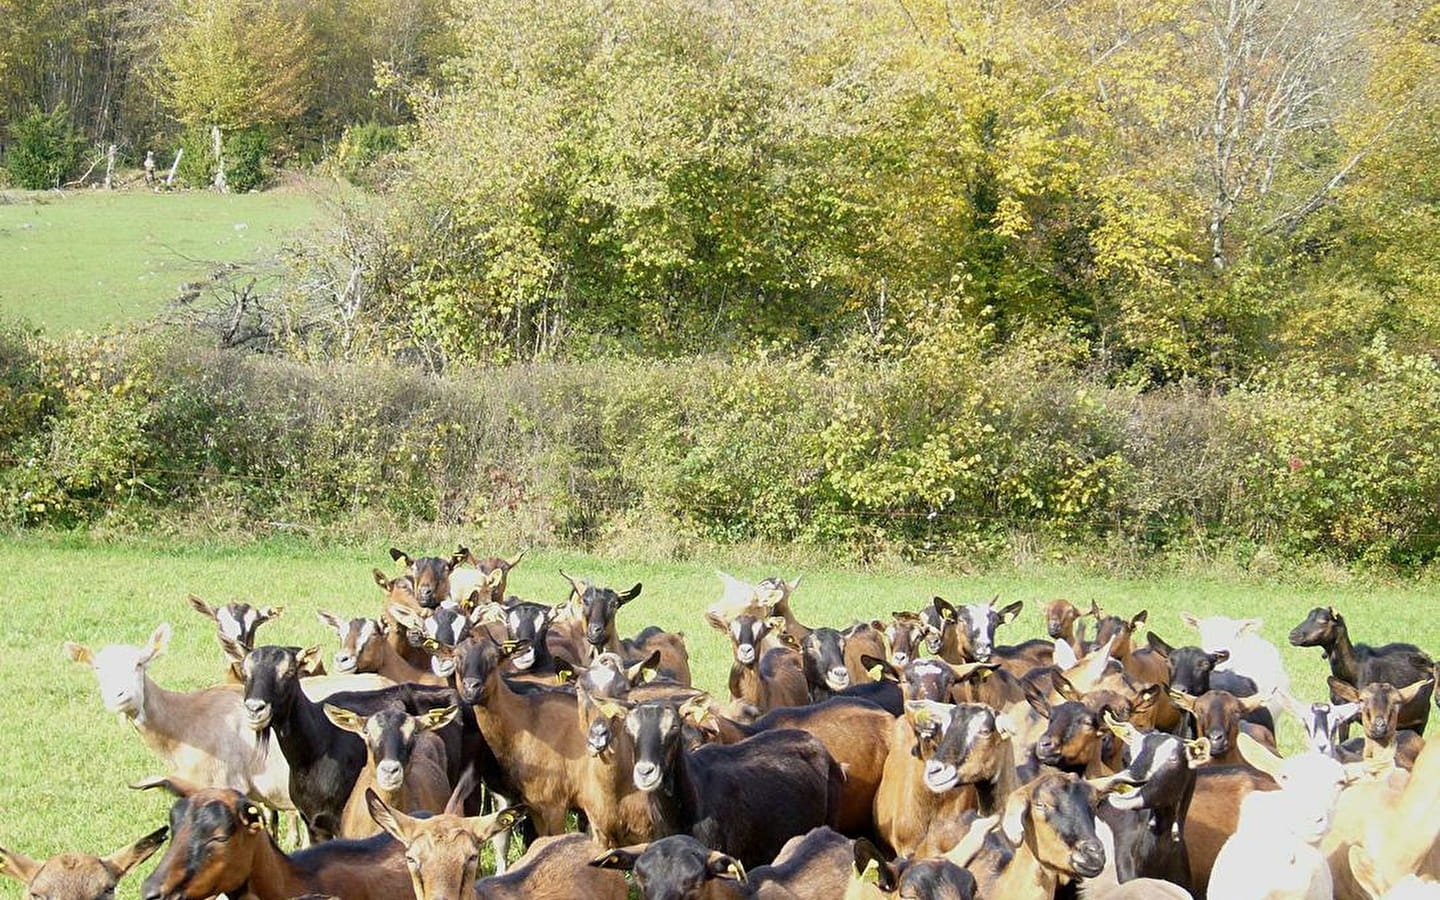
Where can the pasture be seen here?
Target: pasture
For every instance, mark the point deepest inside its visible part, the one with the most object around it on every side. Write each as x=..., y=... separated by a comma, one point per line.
x=94, y=260
x=67, y=761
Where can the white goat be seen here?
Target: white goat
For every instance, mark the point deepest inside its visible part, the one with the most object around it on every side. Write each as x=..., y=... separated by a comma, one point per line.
x=202, y=736
x=1250, y=655
x=1274, y=853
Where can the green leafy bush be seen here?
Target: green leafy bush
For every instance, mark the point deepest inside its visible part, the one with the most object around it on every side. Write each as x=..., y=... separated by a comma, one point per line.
x=246, y=158
x=931, y=445
x=45, y=150
x=363, y=146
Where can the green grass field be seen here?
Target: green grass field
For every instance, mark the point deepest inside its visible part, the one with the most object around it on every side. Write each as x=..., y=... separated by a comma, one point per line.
x=92, y=260
x=66, y=761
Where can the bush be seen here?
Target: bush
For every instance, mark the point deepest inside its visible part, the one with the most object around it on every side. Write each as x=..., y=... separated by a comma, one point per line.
x=46, y=149
x=365, y=145
x=246, y=158
x=918, y=451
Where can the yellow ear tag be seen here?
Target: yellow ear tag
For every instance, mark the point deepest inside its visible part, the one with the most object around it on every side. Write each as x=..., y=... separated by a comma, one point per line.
x=1122, y=788
x=871, y=875
x=875, y=672
x=922, y=717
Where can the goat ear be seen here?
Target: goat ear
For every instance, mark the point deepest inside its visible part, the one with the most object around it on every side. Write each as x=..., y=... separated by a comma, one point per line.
x=643, y=671
x=696, y=709
x=871, y=865
x=777, y=624
x=1190, y=620
x=271, y=612
x=381, y=579
x=310, y=660
x=1258, y=755
x=400, y=556
x=232, y=648
x=879, y=669
x=202, y=607
x=514, y=561
x=1343, y=690
x=1157, y=644
x=510, y=648
x=507, y=818
x=565, y=670
x=176, y=786
x=459, y=556
x=1139, y=619
x=398, y=825
x=944, y=608
x=495, y=576
x=622, y=858
x=1362, y=866
x=1008, y=613
x=1249, y=704
x=125, y=859
x=1065, y=689
x=18, y=866
x=1037, y=700
x=1344, y=713
x=924, y=713
x=1410, y=692
x=1064, y=655
x=1012, y=821
x=159, y=641
x=437, y=718
x=631, y=594
x=333, y=622
x=976, y=670
x=344, y=718
x=79, y=653
x=723, y=865
x=251, y=816
x=1198, y=751
x=407, y=617
x=717, y=621
x=1218, y=657
x=1182, y=700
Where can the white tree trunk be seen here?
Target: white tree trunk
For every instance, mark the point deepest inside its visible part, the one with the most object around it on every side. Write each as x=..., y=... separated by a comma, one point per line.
x=220, y=183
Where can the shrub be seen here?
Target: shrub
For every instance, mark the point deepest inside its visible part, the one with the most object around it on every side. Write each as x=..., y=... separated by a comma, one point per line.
x=365, y=145
x=45, y=150
x=246, y=157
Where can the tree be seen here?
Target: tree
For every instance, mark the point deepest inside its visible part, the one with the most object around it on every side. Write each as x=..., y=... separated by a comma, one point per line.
x=235, y=64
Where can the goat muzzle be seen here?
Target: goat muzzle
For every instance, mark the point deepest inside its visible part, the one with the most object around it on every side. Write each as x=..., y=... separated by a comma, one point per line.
x=1088, y=858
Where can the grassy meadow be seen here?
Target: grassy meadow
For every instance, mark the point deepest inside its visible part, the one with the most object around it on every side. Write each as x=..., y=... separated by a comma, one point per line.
x=67, y=761
x=94, y=260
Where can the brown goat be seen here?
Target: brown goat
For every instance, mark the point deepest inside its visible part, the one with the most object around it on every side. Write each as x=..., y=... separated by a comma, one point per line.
x=762, y=679
x=406, y=764
x=905, y=808
x=532, y=733
x=364, y=647
x=1051, y=823
x=1220, y=717
x=78, y=876
x=1380, y=706
x=489, y=576
x=443, y=851
x=1214, y=815
x=219, y=845
x=856, y=733
x=556, y=868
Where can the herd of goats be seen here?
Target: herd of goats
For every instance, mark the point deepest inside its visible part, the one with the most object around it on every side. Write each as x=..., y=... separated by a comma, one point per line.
x=912, y=756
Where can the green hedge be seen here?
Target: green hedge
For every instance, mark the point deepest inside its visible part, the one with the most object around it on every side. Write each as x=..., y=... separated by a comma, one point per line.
x=857, y=453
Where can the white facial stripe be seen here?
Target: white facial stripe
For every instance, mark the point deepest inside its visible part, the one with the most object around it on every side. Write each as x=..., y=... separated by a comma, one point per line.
x=227, y=623
x=972, y=734
x=367, y=631
x=736, y=629
x=251, y=621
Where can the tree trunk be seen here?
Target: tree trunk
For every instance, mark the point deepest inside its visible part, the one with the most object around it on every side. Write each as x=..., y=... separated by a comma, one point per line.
x=220, y=183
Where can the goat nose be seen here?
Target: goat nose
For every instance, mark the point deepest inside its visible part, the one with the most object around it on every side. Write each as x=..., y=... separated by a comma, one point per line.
x=344, y=662
x=901, y=658
x=256, y=705
x=389, y=773
x=470, y=687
